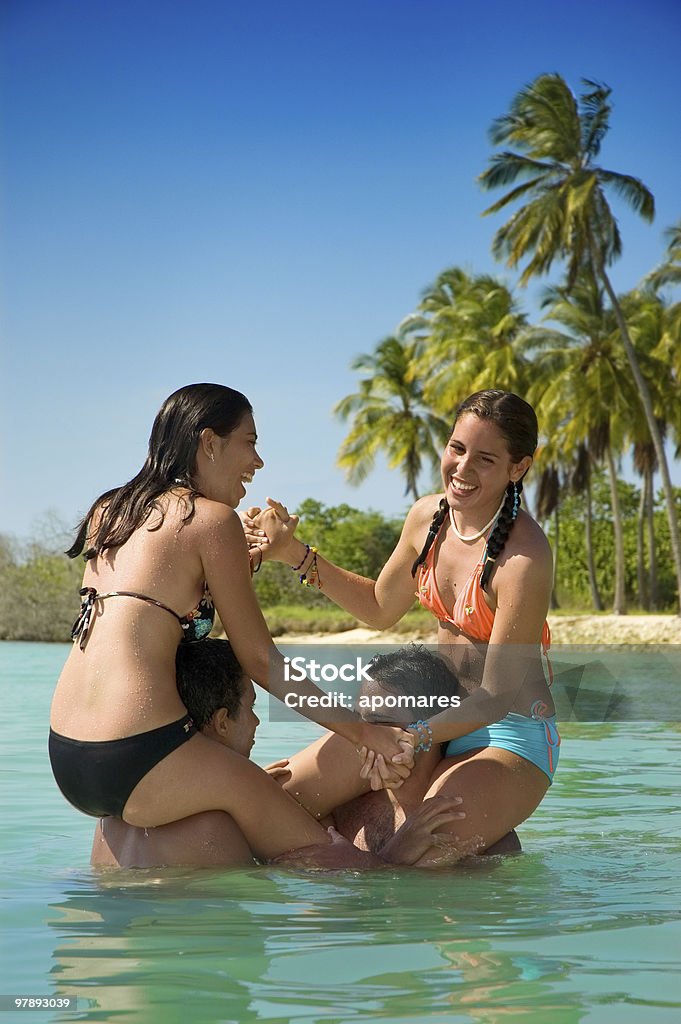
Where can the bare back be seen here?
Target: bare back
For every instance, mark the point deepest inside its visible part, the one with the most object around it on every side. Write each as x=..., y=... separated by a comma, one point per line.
x=123, y=682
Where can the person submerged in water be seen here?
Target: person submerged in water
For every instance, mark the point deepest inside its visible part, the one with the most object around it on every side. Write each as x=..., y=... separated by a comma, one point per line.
x=395, y=826
x=401, y=825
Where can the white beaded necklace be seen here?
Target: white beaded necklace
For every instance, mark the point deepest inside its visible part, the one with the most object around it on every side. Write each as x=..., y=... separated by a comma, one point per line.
x=480, y=533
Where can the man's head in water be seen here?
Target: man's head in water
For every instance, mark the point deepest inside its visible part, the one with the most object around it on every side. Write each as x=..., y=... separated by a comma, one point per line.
x=399, y=682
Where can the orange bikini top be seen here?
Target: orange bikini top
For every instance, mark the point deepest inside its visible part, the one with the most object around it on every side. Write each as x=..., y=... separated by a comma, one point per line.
x=471, y=613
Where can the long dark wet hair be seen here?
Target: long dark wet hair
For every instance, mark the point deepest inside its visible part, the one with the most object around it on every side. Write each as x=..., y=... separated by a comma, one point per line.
x=517, y=422
x=171, y=460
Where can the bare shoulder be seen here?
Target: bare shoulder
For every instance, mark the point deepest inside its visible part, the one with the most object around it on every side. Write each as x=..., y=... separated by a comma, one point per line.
x=187, y=517
x=219, y=540
x=421, y=513
x=527, y=549
x=531, y=537
x=212, y=517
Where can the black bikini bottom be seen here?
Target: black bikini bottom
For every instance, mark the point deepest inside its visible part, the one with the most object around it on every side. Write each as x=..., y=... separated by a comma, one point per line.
x=97, y=778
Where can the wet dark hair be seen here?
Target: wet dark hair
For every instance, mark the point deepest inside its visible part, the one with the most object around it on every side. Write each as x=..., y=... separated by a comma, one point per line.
x=414, y=670
x=517, y=423
x=209, y=677
x=171, y=460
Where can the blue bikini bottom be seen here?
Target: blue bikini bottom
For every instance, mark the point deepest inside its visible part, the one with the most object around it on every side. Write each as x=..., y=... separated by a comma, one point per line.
x=536, y=739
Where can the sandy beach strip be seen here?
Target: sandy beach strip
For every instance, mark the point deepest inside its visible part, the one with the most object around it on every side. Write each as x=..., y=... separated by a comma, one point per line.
x=565, y=629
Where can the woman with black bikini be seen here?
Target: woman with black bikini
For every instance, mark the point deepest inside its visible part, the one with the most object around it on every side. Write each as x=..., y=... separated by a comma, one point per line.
x=121, y=742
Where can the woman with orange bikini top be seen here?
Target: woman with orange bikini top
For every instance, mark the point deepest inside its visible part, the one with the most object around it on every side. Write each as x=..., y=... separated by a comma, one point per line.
x=483, y=566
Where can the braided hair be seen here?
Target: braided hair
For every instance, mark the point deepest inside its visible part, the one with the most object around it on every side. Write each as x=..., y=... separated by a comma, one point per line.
x=502, y=528
x=517, y=422
x=433, y=530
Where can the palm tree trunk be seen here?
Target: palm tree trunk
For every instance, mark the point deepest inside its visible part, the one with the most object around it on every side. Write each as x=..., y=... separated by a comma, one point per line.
x=652, y=557
x=595, y=595
x=556, y=537
x=411, y=473
x=640, y=552
x=619, y=604
x=647, y=404
x=411, y=490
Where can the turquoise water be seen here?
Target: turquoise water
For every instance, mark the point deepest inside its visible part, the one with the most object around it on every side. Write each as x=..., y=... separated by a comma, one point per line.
x=584, y=926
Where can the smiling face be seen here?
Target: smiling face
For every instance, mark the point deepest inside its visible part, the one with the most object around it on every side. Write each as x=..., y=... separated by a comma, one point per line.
x=477, y=467
x=226, y=464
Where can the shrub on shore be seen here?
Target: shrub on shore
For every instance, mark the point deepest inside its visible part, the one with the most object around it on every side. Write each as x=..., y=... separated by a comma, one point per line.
x=38, y=592
x=39, y=584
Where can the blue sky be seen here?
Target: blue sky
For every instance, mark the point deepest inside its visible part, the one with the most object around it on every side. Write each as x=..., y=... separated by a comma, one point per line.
x=255, y=194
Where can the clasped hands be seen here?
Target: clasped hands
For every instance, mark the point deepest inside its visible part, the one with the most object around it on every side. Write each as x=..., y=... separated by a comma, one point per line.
x=382, y=770
x=271, y=529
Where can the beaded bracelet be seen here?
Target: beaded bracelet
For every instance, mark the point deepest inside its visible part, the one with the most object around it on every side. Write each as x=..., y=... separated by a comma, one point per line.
x=425, y=735
x=314, y=580
x=416, y=726
x=302, y=561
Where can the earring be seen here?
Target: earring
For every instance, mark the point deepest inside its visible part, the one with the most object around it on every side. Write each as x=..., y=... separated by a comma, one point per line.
x=212, y=456
x=516, y=499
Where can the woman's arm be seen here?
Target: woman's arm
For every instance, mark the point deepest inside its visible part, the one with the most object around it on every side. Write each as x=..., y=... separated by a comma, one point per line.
x=224, y=558
x=380, y=603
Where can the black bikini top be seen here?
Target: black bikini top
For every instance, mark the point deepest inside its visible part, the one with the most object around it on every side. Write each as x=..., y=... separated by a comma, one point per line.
x=196, y=625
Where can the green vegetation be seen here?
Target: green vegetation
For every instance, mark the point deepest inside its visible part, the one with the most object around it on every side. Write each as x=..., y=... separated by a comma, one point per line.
x=39, y=585
x=38, y=591
x=327, y=618
x=573, y=584
x=359, y=541
x=390, y=416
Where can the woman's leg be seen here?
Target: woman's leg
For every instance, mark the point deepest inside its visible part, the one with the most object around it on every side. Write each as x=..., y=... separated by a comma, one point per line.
x=499, y=790
x=202, y=775
x=325, y=775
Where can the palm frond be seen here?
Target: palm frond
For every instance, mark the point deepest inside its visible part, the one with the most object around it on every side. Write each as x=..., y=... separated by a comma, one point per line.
x=507, y=167
x=632, y=190
x=595, y=116
x=565, y=214
x=669, y=271
x=543, y=120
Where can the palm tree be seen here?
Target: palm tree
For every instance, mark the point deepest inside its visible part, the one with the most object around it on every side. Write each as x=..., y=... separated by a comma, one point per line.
x=464, y=332
x=565, y=212
x=645, y=464
x=584, y=390
x=389, y=416
x=580, y=482
x=654, y=329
